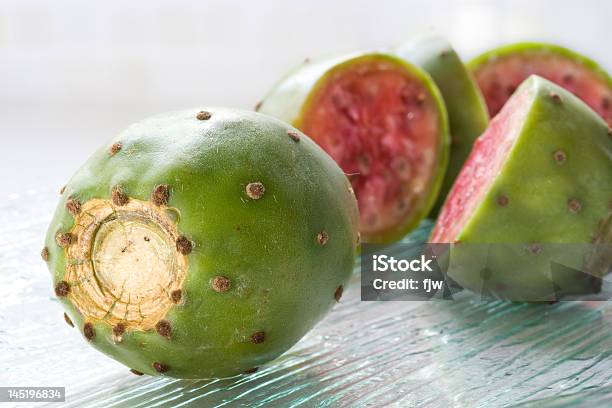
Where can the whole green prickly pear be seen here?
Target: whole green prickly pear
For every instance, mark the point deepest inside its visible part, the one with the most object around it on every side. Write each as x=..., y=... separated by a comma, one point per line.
x=202, y=243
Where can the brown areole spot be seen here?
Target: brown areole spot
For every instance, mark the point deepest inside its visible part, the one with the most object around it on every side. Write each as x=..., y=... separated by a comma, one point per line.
x=338, y=293
x=251, y=370
x=160, y=195
x=160, y=367
x=118, y=196
x=73, y=206
x=258, y=337
x=574, y=205
x=502, y=200
x=44, y=254
x=164, y=328
x=176, y=295
x=534, y=248
x=62, y=190
x=64, y=239
x=184, y=245
x=258, y=106
x=62, y=289
x=295, y=136
x=221, y=284
x=88, y=331
x=560, y=156
x=255, y=190
x=119, y=329
x=322, y=238
x=203, y=115
x=556, y=98
x=68, y=320
x=455, y=141
x=136, y=372
x=115, y=148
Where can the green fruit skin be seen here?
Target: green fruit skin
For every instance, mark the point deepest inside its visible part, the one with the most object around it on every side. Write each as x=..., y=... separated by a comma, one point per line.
x=526, y=47
x=467, y=112
x=283, y=281
x=289, y=98
x=538, y=189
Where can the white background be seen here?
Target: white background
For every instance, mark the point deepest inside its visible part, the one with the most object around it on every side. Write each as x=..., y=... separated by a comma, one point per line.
x=75, y=73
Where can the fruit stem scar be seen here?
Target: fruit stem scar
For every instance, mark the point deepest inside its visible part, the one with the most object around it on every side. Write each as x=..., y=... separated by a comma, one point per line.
x=127, y=264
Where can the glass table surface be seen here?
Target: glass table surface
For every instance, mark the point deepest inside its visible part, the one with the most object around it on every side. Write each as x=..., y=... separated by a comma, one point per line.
x=461, y=353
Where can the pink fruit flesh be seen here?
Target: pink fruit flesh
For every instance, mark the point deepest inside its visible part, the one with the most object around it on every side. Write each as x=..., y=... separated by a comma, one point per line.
x=381, y=125
x=479, y=171
x=499, y=77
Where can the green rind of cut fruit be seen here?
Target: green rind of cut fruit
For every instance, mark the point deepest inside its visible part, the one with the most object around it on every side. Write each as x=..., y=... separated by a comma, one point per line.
x=467, y=111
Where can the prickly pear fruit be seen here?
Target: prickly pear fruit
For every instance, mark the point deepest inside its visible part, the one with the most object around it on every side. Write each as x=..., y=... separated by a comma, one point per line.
x=202, y=243
x=500, y=71
x=540, y=174
x=467, y=111
x=384, y=122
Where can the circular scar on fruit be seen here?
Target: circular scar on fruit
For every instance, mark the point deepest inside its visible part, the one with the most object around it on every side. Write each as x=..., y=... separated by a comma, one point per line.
x=124, y=264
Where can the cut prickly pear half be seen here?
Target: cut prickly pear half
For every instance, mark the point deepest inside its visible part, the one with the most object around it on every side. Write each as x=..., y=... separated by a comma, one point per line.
x=467, y=112
x=202, y=243
x=383, y=121
x=541, y=173
x=500, y=71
